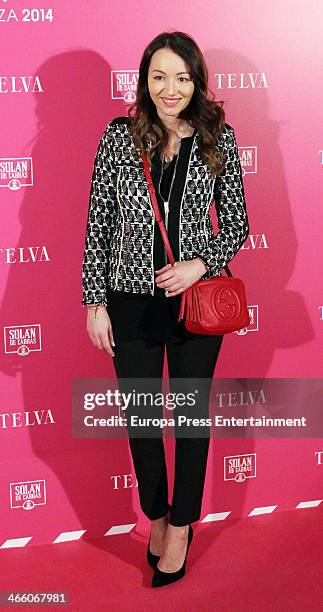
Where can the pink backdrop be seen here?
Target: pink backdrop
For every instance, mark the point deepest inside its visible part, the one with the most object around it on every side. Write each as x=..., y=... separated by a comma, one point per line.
x=65, y=74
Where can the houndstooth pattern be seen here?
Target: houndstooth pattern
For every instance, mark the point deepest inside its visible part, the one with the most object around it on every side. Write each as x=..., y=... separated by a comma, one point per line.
x=118, y=250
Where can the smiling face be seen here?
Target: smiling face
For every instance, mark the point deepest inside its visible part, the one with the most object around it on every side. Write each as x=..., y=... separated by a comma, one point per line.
x=169, y=83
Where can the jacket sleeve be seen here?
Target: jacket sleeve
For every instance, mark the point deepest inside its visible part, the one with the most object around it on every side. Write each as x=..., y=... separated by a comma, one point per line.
x=100, y=222
x=231, y=210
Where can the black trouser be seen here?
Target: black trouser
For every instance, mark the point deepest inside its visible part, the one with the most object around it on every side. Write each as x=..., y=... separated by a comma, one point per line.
x=194, y=358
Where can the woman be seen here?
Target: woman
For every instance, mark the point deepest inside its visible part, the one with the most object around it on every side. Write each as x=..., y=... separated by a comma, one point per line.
x=131, y=291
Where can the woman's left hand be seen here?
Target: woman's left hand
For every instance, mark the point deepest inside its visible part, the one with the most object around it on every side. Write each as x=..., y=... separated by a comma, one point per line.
x=175, y=279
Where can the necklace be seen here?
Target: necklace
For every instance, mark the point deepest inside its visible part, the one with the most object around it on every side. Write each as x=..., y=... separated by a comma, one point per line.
x=166, y=158
x=166, y=202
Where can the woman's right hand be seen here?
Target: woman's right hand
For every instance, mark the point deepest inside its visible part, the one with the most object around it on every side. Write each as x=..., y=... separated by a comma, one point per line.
x=100, y=330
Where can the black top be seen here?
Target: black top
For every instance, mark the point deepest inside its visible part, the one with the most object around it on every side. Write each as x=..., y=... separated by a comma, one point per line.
x=155, y=316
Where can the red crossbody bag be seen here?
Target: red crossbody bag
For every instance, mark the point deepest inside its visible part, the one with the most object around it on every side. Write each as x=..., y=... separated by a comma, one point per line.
x=213, y=306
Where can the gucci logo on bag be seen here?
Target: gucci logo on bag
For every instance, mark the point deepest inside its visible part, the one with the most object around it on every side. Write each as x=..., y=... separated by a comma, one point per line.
x=226, y=304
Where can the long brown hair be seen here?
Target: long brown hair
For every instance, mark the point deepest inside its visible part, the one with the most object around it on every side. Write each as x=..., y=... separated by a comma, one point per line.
x=203, y=113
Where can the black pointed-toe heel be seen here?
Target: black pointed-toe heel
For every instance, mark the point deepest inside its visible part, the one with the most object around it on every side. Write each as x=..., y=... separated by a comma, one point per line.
x=153, y=559
x=162, y=578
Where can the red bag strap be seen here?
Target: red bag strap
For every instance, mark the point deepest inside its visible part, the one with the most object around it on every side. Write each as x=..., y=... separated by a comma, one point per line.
x=157, y=212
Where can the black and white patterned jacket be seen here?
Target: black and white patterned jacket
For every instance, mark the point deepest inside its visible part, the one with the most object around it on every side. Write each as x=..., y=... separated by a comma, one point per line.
x=119, y=239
